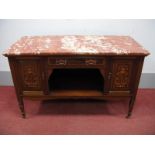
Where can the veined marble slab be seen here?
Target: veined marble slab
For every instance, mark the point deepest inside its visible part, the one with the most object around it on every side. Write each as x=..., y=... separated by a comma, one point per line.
x=76, y=44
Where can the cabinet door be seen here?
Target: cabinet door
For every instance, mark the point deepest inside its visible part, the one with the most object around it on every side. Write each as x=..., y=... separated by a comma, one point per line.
x=121, y=75
x=30, y=71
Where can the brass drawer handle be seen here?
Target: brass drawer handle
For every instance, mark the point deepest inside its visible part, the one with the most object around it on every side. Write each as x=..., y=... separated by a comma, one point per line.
x=90, y=62
x=61, y=62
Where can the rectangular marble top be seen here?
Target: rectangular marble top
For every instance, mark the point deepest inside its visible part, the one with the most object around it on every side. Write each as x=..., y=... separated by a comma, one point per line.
x=76, y=45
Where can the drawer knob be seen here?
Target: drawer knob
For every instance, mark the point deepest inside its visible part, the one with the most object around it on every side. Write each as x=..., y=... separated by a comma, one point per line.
x=90, y=62
x=61, y=62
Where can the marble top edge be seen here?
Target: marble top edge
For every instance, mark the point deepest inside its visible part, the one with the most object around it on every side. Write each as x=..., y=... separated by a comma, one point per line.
x=76, y=45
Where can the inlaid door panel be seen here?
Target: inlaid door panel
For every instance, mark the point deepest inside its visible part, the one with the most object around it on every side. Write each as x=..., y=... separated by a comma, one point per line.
x=30, y=71
x=121, y=75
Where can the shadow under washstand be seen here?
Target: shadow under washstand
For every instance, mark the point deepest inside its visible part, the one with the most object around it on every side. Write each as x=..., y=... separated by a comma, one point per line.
x=82, y=107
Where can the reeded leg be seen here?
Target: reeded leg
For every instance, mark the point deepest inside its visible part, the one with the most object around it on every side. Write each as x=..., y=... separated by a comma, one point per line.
x=131, y=104
x=21, y=107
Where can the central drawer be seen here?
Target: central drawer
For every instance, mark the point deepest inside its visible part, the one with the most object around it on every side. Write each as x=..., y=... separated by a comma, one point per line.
x=76, y=61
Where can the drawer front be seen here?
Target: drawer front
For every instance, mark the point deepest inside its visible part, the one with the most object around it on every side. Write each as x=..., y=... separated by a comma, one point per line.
x=76, y=61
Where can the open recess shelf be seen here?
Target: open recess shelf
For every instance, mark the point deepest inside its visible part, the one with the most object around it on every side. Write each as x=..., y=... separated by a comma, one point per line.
x=76, y=82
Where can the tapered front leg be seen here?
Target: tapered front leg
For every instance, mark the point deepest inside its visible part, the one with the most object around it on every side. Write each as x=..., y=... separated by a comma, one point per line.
x=131, y=104
x=21, y=107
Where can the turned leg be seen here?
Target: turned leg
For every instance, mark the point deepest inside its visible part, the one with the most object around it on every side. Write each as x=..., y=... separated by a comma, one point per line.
x=21, y=107
x=131, y=104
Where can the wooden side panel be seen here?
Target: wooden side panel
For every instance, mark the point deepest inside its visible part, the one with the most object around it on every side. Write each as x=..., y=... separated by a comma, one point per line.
x=30, y=71
x=121, y=75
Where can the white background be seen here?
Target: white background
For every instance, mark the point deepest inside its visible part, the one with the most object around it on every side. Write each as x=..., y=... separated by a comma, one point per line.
x=142, y=31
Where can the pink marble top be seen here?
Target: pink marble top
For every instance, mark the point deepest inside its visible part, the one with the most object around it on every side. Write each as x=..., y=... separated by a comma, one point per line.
x=76, y=45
